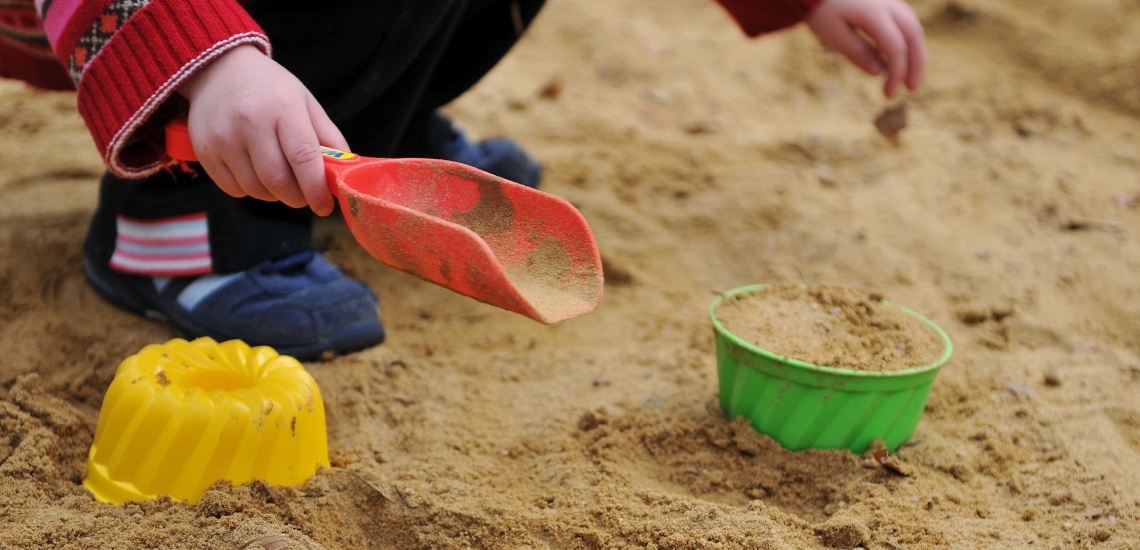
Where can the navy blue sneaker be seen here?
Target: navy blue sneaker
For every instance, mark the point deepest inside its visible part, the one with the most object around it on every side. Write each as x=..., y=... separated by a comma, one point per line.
x=301, y=305
x=499, y=156
x=432, y=135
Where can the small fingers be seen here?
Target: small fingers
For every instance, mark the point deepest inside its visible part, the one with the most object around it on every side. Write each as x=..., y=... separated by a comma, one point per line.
x=226, y=161
x=214, y=165
x=915, y=38
x=274, y=172
x=222, y=177
x=302, y=149
x=886, y=34
x=840, y=37
x=240, y=166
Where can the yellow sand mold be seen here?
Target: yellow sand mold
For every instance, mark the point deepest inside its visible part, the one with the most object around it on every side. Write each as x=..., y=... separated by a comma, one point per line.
x=180, y=416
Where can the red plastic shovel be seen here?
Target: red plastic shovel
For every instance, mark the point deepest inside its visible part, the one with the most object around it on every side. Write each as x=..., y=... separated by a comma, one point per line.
x=461, y=228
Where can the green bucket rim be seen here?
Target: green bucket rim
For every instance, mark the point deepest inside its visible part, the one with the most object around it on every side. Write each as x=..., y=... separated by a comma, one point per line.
x=822, y=369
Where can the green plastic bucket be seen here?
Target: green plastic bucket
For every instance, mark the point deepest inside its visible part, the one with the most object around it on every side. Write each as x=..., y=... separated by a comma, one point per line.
x=806, y=406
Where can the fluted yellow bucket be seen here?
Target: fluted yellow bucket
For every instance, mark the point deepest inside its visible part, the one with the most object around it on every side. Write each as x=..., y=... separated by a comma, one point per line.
x=180, y=416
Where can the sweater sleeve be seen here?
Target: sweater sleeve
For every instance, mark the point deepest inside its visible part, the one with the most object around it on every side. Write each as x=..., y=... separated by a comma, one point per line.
x=127, y=57
x=24, y=50
x=757, y=17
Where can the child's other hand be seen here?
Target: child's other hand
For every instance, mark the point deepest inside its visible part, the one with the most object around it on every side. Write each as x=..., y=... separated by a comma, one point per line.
x=257, y=130
x=891, y=24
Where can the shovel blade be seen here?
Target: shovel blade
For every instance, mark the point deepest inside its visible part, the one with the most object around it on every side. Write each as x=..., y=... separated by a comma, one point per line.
x=494, y=240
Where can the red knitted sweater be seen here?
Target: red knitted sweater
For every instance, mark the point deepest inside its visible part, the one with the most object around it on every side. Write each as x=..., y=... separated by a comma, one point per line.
x=127, y=57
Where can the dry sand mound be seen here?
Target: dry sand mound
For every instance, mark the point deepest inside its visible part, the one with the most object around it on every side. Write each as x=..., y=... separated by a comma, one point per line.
x=1009, y=215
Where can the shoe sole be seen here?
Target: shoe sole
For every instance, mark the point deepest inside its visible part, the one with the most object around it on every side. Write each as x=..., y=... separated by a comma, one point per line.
x=349, y=338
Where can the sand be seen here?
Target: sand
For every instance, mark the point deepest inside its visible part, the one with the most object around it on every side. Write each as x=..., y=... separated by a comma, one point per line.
x=831, y=325
x=703, y=162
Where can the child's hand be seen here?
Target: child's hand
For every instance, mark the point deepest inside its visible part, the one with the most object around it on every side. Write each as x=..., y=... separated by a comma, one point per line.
x=257, y=130
x=891, y=24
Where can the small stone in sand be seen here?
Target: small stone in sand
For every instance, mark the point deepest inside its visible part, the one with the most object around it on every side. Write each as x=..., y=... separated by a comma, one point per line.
x=891, y=122
x=1052, y=378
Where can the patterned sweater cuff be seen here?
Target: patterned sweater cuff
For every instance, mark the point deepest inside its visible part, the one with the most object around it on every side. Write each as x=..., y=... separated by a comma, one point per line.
x=757, y=17
x=127, y=77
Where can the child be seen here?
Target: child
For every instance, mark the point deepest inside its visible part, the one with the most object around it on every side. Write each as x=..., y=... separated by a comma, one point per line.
x=226, y=250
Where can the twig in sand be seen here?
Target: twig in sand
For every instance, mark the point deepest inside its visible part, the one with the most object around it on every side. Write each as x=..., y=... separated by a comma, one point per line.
x=894, y=545
x=807, y=283
x=1077, y=223
x=372, y=485
x=400, y=494
x=264, y=486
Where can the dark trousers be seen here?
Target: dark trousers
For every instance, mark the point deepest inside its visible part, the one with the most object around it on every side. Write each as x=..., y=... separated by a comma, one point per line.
x=380, y=68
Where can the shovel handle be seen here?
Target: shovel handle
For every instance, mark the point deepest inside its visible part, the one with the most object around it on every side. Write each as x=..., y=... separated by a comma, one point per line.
x=179, y=146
